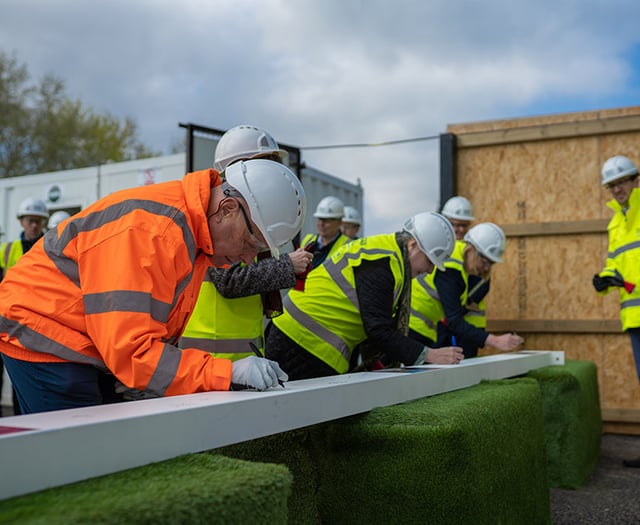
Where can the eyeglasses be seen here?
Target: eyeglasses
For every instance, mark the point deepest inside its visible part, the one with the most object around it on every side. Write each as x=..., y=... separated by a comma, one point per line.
x=255, y=242
x=618, y=182
x=485, y=260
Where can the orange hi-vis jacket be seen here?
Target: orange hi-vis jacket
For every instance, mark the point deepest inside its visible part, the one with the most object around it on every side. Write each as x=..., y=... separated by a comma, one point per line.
x=115, y=287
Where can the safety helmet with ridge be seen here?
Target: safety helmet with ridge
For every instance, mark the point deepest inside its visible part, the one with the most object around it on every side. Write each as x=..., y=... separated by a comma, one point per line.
x=459, y=208
x=434, y=235
x=243, y=143
x=351, y=215
x=56, y=218
x=616, y=168
x=33, y=206
x=275, y=197
x=488, y=239
x=329, y=208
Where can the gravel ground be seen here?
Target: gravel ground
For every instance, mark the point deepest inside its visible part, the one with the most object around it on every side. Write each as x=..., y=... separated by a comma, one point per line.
x=612, y=495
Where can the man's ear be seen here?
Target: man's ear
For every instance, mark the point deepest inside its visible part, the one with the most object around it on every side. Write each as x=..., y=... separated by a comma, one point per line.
x=229, y=206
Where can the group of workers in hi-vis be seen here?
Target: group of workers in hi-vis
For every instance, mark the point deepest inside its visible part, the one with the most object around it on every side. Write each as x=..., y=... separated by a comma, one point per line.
x=195, y=285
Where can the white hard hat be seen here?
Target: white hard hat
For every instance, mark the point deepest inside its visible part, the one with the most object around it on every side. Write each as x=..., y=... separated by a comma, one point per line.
x=57, y=217
x=244, y=143
x=434, y=234
x=458, y=208
x=275, y=196
x=351, y=215
x=488, y=239
x=33, y=206
x=616, y=168
x=329, y=208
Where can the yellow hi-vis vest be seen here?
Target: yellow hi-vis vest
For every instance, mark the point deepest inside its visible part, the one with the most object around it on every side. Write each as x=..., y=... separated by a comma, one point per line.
x=624, y=256
x=10, y=252
x=478, y=316
x=340, y=241
x=224, y=327
x=324, y=319
x=426, y=308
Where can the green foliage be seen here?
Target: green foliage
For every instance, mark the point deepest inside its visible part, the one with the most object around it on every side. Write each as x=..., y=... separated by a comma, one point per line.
x=43, y=130
x=196, y=488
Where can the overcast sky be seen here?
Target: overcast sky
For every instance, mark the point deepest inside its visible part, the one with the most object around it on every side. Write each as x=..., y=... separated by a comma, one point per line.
x=319, y=72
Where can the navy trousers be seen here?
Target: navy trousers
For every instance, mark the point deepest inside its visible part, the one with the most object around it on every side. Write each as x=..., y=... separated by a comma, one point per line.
x=42, y=387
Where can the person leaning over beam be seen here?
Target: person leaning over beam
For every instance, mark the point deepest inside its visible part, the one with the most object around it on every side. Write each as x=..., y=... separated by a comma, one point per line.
x=361, y=293
x=107, y=293
x=438, y=299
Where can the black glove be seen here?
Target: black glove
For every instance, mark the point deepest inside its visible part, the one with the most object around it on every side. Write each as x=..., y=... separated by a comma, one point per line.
x=602, y=283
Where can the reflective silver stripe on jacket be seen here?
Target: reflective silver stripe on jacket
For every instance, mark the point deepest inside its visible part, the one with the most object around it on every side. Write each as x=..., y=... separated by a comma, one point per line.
x=165, y=371
x=112, y=301
x=37, y=342
x=624, y=248
x=222, y=346
x=475, y=313
x=314, y=327
x=630, y=303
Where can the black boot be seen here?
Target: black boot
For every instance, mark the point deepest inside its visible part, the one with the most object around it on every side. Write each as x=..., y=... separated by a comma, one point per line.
x=634, y=463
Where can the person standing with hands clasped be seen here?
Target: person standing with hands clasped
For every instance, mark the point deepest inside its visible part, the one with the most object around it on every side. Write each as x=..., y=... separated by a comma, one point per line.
x=362, y=293
x=106, y=295
x=439, y=298
x=622, y=268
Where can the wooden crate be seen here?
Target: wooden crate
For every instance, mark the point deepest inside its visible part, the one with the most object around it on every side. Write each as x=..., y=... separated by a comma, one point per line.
x=539, y=179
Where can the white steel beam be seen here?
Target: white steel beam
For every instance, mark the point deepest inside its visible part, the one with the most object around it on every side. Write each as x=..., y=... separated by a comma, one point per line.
x=38, y=451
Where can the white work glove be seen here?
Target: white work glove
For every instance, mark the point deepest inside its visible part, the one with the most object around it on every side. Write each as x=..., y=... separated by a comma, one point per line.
x=257, y=372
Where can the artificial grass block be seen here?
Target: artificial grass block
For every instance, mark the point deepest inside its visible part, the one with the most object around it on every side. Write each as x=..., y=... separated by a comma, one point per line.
x=291, y=449
x=195, y=488
x=475, y=455
x=572, y=419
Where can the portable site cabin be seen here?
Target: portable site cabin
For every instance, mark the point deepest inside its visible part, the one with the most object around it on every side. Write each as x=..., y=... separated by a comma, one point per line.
x=73, y=190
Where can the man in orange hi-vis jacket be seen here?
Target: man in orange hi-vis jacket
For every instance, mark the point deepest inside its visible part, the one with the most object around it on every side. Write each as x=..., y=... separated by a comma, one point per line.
x=104, y=297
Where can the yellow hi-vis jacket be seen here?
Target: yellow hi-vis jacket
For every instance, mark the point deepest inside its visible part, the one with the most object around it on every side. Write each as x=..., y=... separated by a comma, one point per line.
x=426, y=308
x=10, y=252
x=225, y=327
x=325, y=317
x=624, y=256
x=478, y=316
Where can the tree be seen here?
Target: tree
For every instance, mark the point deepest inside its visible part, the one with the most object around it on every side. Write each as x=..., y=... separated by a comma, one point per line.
x=42, y=129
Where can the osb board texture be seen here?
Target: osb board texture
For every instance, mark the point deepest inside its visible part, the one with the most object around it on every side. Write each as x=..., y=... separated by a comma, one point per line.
x=541, y=120
x=617, y=379
x=549, y=277
x=533, y=182
x=621, y=428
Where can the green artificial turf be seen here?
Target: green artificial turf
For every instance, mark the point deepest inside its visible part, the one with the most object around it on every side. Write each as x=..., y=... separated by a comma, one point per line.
x=472, y=456
x=572, y=419
x=196, y=488
x=293, y=450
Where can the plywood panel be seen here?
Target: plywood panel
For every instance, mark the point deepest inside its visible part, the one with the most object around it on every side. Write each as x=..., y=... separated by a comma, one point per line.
x=533, y=182
x=542, y=120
